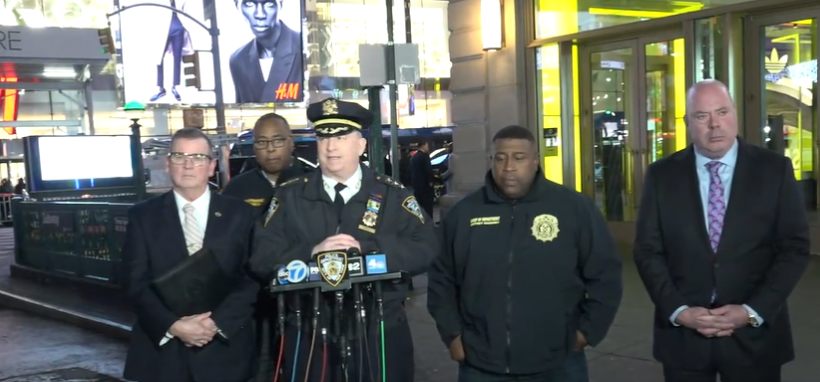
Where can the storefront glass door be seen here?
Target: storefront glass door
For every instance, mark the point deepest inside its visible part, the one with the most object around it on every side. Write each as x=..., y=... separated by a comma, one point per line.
x=633, y=103
x=784, y=119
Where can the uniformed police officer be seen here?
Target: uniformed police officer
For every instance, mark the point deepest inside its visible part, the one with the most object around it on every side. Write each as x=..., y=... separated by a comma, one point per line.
x=342, y=206
x=529, y=275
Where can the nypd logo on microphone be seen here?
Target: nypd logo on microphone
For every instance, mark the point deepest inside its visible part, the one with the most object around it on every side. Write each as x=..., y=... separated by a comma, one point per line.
x=297, y=271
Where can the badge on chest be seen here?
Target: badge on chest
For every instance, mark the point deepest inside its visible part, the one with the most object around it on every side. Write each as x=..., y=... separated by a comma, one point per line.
x=371, y=214
x=545, y=227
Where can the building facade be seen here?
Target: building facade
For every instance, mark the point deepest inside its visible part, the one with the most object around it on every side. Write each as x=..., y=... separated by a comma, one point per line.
x=332, y=32
x=603, y=84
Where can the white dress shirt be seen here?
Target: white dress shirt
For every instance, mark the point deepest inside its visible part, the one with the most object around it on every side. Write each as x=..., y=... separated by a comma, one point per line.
x=201, y=205
x=354, y=184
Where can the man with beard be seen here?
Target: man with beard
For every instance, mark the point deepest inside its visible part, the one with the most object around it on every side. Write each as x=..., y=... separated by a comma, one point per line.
x=274, y=57
x=273, y=151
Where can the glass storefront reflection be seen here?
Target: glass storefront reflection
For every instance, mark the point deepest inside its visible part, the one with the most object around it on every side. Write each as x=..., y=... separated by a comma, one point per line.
x=789, y=67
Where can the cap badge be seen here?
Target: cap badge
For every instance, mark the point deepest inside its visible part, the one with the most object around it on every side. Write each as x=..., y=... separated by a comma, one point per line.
x=329, y=107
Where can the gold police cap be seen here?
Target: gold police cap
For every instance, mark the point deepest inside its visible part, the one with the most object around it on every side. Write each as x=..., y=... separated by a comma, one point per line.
x=333, y=117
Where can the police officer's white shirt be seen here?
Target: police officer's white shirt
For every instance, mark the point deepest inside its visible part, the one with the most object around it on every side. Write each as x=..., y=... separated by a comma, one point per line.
x=201, y=205
x=354, y=184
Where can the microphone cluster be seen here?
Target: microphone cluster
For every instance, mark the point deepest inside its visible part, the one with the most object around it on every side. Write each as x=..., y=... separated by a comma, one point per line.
x=338, y=273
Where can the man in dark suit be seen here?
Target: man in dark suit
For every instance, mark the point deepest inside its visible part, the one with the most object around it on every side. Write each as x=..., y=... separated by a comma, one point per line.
x=272, y=59
x=422, y=177
x=161, y=233
x=722, y=240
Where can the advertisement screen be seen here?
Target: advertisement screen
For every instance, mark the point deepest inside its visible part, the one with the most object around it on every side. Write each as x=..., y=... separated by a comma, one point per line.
x=91, y=157
x=260, y=43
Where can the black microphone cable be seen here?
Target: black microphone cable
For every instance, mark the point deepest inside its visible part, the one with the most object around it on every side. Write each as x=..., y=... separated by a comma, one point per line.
x=342, y=340
x=324, y=355
x=316, y=297
x=357, y=306
x=366, y=339
x=298, y=309
x=280, y=304
x=380, y=319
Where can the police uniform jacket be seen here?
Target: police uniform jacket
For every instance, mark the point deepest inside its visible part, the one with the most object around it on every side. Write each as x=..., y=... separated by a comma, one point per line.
x=517, y=278
x=302, y=215
x=255, y=188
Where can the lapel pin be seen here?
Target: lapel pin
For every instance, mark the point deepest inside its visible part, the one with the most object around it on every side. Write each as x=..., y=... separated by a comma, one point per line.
x=218, y=214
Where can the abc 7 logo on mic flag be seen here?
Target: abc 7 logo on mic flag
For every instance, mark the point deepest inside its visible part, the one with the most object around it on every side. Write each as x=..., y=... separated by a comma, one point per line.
x=297, y=271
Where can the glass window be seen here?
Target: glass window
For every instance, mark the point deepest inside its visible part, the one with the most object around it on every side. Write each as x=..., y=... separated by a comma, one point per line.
x=708, y=49
x=56, y=13
x=556, y=18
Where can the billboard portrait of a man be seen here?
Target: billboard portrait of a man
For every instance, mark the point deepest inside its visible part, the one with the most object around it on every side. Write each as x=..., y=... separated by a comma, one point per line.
x=273, y=58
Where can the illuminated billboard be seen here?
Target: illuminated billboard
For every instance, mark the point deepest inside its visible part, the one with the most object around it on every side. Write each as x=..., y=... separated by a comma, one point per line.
x=260, y=43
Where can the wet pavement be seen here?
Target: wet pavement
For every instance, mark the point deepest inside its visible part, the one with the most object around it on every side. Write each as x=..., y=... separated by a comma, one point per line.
x=33, y=349
x=624, y=356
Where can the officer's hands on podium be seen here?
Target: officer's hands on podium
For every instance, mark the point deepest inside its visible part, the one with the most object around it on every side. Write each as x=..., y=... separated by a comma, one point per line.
x=340, y=242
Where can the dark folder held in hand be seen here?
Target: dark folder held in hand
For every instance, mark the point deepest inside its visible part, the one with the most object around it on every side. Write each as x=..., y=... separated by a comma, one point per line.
x=194, y=286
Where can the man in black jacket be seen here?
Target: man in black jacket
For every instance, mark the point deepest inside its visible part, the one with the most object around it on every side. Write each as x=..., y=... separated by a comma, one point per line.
x=528, y=275
x=345, y=205
x=422, y=177
x=273, y=151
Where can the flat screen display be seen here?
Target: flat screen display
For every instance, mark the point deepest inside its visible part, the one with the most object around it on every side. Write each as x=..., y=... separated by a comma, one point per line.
x=90, y=157
x=262, y=54
x=74, y=163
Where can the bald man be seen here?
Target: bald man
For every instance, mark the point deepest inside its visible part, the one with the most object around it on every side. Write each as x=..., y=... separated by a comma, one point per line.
x=722, y=239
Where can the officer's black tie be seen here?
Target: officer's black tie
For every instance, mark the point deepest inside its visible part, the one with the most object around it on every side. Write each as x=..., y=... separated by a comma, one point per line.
x=339, y=201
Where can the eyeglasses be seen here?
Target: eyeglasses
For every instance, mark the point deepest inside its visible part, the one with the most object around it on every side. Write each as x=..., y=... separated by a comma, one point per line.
x=197, y=160
x=263, y=143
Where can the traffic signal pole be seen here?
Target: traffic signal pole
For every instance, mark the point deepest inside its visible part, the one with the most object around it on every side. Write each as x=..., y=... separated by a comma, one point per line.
x=219, y=106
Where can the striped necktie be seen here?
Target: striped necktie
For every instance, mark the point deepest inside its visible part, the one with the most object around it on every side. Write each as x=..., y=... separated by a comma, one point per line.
x=193, y=233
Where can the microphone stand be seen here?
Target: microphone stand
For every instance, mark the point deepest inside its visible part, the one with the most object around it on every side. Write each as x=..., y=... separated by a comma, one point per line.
x=298, y=310
x=380, y=320
x=317, y=293
x=280, y=304
x=357, y=307
x=366, y=340
x=342, y=340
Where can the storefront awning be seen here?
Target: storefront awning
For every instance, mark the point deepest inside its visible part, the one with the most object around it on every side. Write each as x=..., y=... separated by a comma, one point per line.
x=49, y=56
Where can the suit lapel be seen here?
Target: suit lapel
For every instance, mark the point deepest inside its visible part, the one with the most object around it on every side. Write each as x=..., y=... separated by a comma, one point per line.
x=171, y=226
x=742, y=177
x=695, y=202
x=217, y=222
x=256, y=80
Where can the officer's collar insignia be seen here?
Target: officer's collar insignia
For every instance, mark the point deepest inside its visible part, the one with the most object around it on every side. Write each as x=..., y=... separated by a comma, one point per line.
x=329, y=107
x=389, y=181
x=412, y=206
x=272, y=207
x=255, y=202
x=545, y=228
x=332, y=267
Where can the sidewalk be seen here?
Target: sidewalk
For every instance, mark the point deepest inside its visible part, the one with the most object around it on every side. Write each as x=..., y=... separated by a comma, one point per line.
x=624, y=356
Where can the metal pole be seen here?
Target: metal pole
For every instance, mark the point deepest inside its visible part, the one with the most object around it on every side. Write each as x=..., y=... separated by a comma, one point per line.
x=224, y=160
x=374, y=145
x=395, y=156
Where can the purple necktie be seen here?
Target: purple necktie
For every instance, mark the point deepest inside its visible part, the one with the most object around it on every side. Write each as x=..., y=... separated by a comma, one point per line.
x=717, y=204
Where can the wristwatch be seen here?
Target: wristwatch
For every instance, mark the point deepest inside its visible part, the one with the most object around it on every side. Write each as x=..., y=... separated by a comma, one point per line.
x=753, y=322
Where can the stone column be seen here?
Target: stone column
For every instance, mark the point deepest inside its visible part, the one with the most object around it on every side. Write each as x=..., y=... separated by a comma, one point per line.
x=488, y=91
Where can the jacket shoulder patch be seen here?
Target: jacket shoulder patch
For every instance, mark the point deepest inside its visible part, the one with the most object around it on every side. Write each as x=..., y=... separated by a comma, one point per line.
x=389, y=181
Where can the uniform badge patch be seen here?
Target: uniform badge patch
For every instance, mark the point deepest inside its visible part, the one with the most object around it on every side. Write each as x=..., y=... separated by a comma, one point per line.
x=545, y=227
x=332, y=267
x=412, y=206
x=255, y=202
x=272, y=208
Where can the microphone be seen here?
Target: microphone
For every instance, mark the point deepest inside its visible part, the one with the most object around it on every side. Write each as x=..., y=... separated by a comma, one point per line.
x=376, y=264
x=355, y=266
x=314, y=272
x=297, y=271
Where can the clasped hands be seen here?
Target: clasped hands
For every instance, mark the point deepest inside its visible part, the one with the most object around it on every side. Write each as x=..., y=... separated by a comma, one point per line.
x=338, y=242
x=194, y=331
x=718, y=322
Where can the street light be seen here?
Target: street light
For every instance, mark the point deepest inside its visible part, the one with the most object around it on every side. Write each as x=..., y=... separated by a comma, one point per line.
x=135, y=110
x=219, y=106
